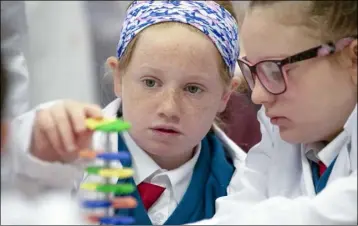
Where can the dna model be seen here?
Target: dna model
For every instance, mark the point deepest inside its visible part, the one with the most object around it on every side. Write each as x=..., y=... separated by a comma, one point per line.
x=116, y=196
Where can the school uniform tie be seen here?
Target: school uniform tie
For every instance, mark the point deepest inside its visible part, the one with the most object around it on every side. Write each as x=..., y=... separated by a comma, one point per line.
x=322, y=168
x=149, y=193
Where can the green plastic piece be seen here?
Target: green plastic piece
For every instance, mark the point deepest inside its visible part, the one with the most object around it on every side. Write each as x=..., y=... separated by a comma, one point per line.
x=119, y=189
x=93, y=169
x=117, y=126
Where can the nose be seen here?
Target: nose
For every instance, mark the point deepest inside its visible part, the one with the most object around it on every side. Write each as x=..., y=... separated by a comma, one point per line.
x=169, y=108
x=260, y=95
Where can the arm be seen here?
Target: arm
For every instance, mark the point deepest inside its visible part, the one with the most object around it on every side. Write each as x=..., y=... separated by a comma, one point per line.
x=249, y=174
x=27, y=170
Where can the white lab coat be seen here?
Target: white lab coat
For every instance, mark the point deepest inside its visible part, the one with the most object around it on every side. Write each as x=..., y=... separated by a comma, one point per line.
x=277, y=187
x=47, y=209
x=69, y=176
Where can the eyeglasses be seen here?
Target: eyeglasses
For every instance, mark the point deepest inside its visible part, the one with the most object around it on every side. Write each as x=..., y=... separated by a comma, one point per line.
x=271, y=73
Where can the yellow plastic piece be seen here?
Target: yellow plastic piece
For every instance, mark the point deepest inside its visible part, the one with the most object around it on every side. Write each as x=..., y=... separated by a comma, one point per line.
x=120, y=173
x=92, y=123
x=89, y=186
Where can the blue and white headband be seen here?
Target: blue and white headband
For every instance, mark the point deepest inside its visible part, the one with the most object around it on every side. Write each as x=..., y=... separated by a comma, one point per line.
x=207, y=16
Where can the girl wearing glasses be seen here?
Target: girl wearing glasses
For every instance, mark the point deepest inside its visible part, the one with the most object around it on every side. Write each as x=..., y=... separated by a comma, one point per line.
x=301, y=66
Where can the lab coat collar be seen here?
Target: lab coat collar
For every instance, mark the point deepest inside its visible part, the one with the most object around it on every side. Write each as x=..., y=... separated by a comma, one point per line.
x=351, y=123
x=330, y=151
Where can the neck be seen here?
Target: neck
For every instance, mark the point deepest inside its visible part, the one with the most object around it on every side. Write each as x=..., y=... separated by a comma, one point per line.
x=328, y=139
x=172, y=162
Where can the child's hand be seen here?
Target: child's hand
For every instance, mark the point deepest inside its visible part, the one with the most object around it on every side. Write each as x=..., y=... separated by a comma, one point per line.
x=60, y=131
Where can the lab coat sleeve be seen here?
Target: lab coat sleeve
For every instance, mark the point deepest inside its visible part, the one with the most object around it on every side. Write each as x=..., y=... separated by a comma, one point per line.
x=336, y=204
x=249, y=174
x=48, y=209
x=25, y=168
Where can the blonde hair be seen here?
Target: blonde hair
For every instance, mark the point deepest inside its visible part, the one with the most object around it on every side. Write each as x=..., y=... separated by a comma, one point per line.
x=328, y=20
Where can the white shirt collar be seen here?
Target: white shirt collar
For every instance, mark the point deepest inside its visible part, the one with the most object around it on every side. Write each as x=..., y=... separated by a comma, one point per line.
x=147, y=170
x=143, y=165
x=327, y=153
x=180, y=178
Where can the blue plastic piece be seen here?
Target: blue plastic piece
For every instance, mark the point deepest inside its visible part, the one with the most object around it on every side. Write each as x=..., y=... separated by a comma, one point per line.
x=116, y=220
x=108, y=156
x=96, y=204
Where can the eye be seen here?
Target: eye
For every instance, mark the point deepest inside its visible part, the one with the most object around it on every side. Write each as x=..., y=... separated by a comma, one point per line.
x=149, y=82
x=193, y=89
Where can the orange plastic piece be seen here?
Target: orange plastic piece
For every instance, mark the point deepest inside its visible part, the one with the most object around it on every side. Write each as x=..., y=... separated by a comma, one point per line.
x=124, y=202
x=93, y=218
x=88, y=154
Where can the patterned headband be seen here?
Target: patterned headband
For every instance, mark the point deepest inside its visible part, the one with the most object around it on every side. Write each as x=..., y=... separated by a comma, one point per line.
x=207, y=16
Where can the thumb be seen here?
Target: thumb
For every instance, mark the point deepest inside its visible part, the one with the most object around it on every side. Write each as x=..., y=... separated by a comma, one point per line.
x=93, y=111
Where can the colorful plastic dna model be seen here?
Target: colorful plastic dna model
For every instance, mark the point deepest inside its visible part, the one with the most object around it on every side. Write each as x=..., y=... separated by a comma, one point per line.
x=115, y=194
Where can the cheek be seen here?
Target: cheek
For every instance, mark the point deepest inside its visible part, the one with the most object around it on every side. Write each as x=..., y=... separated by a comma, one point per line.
x=314, y=90
x=308, y=83
x=135, y=103
x=132, y=91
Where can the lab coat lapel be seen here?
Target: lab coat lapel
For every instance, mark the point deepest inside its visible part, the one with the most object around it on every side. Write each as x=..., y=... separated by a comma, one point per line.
x=287, y=158
x=307, y=181
x=342, y=167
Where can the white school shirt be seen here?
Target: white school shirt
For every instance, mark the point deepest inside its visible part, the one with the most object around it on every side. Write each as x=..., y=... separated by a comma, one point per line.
x=276, y=186
x=175, y=181
x=70, y=176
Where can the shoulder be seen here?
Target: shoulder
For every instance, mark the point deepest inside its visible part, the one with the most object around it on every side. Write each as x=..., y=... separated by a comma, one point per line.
x=237, y=154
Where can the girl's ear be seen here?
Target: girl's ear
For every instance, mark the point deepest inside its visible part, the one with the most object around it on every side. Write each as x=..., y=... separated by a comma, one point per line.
x=4, y=127
x=226, y=97
x=112, y=63
x=353, y=57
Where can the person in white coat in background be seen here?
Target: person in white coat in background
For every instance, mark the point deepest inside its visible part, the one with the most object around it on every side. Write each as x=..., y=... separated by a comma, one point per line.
x=25, y=200
x=301, y=64
x=14, y=49
x=24, y=204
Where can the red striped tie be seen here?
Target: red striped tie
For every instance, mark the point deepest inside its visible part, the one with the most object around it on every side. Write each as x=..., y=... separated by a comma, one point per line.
x=322, y=168
x=149, y=193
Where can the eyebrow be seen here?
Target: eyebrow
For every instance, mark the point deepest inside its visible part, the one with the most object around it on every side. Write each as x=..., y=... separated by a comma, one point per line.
x=150, y=69
x=197, y=76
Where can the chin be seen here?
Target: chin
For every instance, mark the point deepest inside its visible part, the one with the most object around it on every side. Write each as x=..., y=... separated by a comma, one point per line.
x=159, y=149
x=292, y=136
x=299, y=137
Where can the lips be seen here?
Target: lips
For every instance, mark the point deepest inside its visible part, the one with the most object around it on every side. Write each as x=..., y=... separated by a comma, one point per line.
x=277, y=120
x=166, y=129
x=162, y=130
